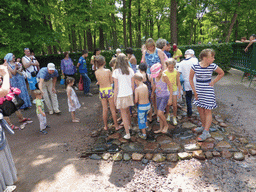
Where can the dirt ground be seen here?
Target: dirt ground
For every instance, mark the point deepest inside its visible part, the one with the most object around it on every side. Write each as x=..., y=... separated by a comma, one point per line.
x=51, y=162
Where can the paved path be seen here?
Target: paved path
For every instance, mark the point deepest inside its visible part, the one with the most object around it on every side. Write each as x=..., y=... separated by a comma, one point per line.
x=51, y=162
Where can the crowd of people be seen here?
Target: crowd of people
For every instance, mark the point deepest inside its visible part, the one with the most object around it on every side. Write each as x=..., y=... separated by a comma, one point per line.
x=152, y=87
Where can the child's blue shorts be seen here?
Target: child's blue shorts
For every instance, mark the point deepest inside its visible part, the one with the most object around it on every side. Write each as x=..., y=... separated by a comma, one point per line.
x=143, y=110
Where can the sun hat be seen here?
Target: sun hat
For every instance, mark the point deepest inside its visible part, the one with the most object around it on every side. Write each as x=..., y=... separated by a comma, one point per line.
x=118, y=50
x=155, y=70
x=51, y=66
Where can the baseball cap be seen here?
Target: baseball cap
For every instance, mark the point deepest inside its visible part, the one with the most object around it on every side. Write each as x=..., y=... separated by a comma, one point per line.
x=51, y=66
x=190, y=52
x=155, y=70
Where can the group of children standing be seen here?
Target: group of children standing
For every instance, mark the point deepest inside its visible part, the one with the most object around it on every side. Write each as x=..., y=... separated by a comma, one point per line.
x=161, y=88
x=123, y=88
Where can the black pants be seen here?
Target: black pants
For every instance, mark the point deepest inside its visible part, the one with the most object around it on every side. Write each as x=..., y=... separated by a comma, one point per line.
x=188, y=102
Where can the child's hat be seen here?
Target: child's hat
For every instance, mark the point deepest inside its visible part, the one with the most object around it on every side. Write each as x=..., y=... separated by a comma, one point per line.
x=51, y=66
x=155, y=70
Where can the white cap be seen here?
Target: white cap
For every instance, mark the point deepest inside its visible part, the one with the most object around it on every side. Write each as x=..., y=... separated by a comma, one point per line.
x=51, y=66
x=118, y=50
x=190, y=52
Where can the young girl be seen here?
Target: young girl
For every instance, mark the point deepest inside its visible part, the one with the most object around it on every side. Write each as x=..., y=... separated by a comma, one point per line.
x=73, y=102
x=204, y=91
x=148, y=81
x=174, y=78
x=163, y=95
x=123, y=91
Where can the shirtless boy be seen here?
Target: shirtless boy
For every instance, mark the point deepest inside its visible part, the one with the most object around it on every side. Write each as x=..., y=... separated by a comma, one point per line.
x=104, y=78
x=141, y=97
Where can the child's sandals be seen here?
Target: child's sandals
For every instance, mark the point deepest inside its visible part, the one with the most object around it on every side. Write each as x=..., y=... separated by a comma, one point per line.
x=75, y=121
x=13, y=127
x=205, y=135
x=28, y=120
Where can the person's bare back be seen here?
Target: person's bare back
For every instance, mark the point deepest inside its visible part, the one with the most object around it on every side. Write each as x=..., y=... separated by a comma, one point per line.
x=104, y=77
x=141, y=94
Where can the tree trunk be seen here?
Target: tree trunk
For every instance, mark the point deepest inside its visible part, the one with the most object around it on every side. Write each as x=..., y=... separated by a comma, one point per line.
x=84, y=40
x=130, y=21
x=70, y=41
x=174, y=26
x=101, y=38
x=231, y=26
x=115, y=45
x=74, y=37
x=94, y=39
x=139, y=24
x=124, y=23
x=80, y=40
x=89, y=39
x=236, y=30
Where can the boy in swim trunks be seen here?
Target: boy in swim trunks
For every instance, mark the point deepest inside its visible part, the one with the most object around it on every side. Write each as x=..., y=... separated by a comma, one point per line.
x=106, y=92
x=141, y=97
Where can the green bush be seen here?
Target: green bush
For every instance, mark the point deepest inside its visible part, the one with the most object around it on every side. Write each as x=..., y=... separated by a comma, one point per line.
x=223, y=51
x=223, y=56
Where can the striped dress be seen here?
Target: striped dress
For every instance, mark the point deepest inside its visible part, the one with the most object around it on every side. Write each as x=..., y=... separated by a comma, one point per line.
x=206, y=96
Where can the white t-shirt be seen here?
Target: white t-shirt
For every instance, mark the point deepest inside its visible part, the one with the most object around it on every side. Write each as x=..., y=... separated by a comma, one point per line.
x=124, y=82
x=184, y=69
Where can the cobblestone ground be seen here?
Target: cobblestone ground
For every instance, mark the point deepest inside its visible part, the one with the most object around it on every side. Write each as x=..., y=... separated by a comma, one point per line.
x=51, y=162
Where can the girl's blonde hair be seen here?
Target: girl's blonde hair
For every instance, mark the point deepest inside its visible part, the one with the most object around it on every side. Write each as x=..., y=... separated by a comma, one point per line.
x=205, y=53
x=150, y=42
x=122, y=63
x=170, y=61
x=70, y=80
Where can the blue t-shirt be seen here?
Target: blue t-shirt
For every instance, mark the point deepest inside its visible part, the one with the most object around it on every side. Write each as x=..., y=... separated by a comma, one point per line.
x=82, y=66
x=43, y=74
x=168, y=54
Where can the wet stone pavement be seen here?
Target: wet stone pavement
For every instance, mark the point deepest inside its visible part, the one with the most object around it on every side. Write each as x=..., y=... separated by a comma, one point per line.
x=180, y=143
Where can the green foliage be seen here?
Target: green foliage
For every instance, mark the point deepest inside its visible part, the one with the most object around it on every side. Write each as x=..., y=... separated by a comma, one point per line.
x=223, y=52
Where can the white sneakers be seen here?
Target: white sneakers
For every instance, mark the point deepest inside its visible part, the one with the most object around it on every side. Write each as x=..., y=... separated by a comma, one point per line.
x=174, y=120
x=127, y=136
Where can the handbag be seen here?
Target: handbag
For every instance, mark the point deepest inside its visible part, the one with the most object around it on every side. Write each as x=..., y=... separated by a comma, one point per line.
x=81, y=84
x=62, y=81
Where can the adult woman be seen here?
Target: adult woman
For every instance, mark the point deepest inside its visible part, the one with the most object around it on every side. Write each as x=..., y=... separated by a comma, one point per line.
x=8, y=173
x=18, y=80
x=131, y=59
x=95, y=53
x=152, y=54
x=67, y=68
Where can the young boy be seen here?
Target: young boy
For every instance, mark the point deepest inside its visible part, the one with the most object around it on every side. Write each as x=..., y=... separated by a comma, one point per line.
x=141, y=97
x=104, y=78
x=40, y=111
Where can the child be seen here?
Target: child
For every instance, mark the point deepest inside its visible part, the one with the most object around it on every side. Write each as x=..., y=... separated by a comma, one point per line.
x=124, y=86
x=40, y=111
x=73, y=102
x=184, y=69
x=163, y=94
x=174, y=78
x=104, y=78
x=148, y=81
x=112, y=64
x=204, y=91
x=141, y=97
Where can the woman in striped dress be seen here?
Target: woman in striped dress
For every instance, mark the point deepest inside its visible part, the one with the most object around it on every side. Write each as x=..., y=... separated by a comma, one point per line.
x=204, y=91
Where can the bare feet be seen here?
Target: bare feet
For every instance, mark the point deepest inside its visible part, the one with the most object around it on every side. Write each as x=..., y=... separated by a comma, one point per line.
x=119, y=127
x=165, y=129
x=158, y=131
x=105, y=128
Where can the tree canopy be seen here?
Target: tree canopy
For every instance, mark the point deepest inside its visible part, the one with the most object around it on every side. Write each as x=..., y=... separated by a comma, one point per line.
x=51, y=26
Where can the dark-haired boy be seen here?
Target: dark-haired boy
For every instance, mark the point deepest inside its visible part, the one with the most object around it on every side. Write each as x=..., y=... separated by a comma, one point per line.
x=84, y=73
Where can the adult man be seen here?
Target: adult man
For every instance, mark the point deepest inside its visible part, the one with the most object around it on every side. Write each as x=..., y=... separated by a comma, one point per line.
x=84, y=73
x=167, y=50
x=47, y=80
x=184, y=69
x=31, y=66
x=176, y=53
